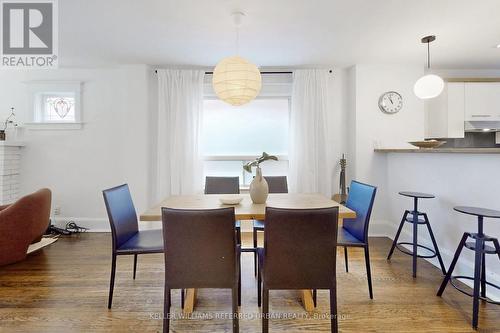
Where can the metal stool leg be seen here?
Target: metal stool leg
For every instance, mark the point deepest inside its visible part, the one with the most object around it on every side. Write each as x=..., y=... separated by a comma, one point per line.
x=483, y=275
x=477, y=279
x=438, y=254
x=452, y=266
x=415, y=237
x=397, y=235
x=497, y=247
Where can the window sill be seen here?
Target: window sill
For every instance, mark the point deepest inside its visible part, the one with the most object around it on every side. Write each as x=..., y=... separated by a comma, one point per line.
x=53, y=126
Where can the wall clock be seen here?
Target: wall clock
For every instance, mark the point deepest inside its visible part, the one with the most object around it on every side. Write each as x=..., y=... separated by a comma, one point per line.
x=390, y=102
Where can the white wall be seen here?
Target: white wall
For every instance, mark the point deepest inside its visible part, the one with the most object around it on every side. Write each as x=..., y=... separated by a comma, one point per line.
x=111, y=149
x=370, y=127
x=455, y=179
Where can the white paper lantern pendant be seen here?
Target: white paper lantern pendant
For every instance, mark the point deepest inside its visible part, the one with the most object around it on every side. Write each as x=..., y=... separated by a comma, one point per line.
x=236, y=80
x=430, y=85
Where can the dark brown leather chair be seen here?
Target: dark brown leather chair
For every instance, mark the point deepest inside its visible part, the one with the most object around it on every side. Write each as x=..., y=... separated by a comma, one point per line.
x=127, y=239
x=202, y=253
x=23, y=223
x=277, y=184
x=224, y=185
x=299, y=253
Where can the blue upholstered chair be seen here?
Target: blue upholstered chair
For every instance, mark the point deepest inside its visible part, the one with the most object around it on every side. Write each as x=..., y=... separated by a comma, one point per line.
x=354, y=232
x=127, y=239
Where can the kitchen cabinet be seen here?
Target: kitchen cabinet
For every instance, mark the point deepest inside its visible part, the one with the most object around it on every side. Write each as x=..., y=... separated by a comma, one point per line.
x=445, y=114
x=482, y=101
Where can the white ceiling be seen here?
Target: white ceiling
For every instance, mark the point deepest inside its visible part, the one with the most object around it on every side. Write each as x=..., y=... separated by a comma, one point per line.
x=280, y=32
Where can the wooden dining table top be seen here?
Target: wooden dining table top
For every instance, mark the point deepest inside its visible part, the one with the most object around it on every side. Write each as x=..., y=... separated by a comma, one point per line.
x=247, y=210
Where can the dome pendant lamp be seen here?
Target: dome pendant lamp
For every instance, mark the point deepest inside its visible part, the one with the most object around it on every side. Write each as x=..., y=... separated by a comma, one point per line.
x=236, y=80
x=430, y=85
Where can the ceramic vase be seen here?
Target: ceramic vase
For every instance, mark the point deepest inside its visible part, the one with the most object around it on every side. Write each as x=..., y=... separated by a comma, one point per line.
x=259, y=189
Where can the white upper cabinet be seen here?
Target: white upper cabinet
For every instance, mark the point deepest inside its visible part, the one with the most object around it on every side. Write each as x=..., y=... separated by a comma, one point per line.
x=445, y=114
x=482, y=101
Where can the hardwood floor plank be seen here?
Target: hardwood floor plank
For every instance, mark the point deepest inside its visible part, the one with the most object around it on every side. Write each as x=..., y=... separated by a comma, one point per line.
x=64, y=288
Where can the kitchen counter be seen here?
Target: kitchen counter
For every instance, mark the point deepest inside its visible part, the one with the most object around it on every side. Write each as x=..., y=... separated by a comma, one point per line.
x=440, y=150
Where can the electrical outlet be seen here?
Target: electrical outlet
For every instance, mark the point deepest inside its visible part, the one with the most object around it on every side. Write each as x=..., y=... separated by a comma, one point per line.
x=57, y=210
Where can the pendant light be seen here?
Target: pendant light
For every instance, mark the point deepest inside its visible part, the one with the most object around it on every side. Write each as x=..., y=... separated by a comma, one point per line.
x=430, y=85
x=236, y=80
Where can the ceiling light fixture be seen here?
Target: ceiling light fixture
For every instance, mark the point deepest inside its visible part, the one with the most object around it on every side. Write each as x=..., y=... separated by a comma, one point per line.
x=429, y=85
x=236, y=80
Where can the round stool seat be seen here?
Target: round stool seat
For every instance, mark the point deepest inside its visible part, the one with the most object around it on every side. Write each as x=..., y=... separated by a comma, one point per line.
x=417, y=195
x=477, y=211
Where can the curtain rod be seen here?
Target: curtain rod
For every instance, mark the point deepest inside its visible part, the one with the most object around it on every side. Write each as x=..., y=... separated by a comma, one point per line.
x=288, y=72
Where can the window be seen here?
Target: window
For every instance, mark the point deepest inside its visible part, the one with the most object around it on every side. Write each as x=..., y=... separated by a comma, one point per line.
x=55, y=105
x=232, y=136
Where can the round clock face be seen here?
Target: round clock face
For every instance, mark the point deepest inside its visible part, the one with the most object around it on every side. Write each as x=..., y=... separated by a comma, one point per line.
x=390, y=102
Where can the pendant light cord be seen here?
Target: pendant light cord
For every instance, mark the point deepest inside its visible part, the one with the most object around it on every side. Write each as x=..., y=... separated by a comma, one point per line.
x=237, y=40
x=428, y=55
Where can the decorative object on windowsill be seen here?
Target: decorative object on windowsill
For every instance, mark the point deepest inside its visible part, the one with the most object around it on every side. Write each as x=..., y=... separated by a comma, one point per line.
x=429, y=85
x=259, y=190
x=235, y=80
x=342, y=196
x=427, y=144
x=10, y=120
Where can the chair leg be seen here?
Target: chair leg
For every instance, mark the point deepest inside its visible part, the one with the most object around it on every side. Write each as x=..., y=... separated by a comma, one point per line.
x=368, y=271
x=436, y=248
x=265, y=311
x=239, y=287
x=255, y=251
x=259, y=287
x=397, y=235
x=135, y=264
x=182, y=298
x=166, y=309
x=315, y=297
x=235, y=302
x=238, y=236
x=112, y=280
x=346, y=259
x=477, y=279
x=333, y=309
x=452, y=266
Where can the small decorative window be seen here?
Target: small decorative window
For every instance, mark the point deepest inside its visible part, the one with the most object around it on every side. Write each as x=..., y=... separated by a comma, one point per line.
x=55, y=105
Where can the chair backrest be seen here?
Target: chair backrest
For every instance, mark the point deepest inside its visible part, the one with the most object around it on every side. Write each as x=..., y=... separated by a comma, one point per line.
x=277, y=184
x=201, y=247
x=222, y=185
x=121, y=214
x=300, y=248
x=360, y=199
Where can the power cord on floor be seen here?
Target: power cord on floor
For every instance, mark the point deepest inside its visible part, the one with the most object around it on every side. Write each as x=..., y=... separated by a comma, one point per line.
x=70, y=229
x=74, y=228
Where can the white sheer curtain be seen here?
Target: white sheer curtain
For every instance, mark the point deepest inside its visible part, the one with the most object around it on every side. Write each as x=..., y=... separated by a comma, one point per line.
x=310, y=151
x=180, y=105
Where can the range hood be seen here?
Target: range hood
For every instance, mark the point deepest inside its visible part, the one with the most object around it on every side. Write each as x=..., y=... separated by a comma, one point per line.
x=482, y=126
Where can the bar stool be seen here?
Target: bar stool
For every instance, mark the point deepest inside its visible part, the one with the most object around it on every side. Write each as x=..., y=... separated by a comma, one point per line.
x=415, y=220
x=481, y=250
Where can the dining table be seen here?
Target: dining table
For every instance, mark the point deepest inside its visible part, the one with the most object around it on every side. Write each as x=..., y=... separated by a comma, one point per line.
x=247, y=210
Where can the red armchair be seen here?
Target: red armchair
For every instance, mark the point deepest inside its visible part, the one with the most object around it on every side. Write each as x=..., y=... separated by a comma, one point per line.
x=22, y=223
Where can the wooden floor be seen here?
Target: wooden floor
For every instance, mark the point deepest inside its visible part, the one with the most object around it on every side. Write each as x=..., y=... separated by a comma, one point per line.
x=64, y=288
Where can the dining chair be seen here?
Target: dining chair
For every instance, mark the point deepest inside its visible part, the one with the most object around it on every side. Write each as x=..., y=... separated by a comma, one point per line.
x=277, y=184
x=354, y=232
x=299, y=253
x=224, y=185
x=202, y=253
x=127, y=239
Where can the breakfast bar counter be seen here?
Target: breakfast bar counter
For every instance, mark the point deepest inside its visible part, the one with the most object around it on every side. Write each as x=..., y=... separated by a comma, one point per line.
x=440, y=150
